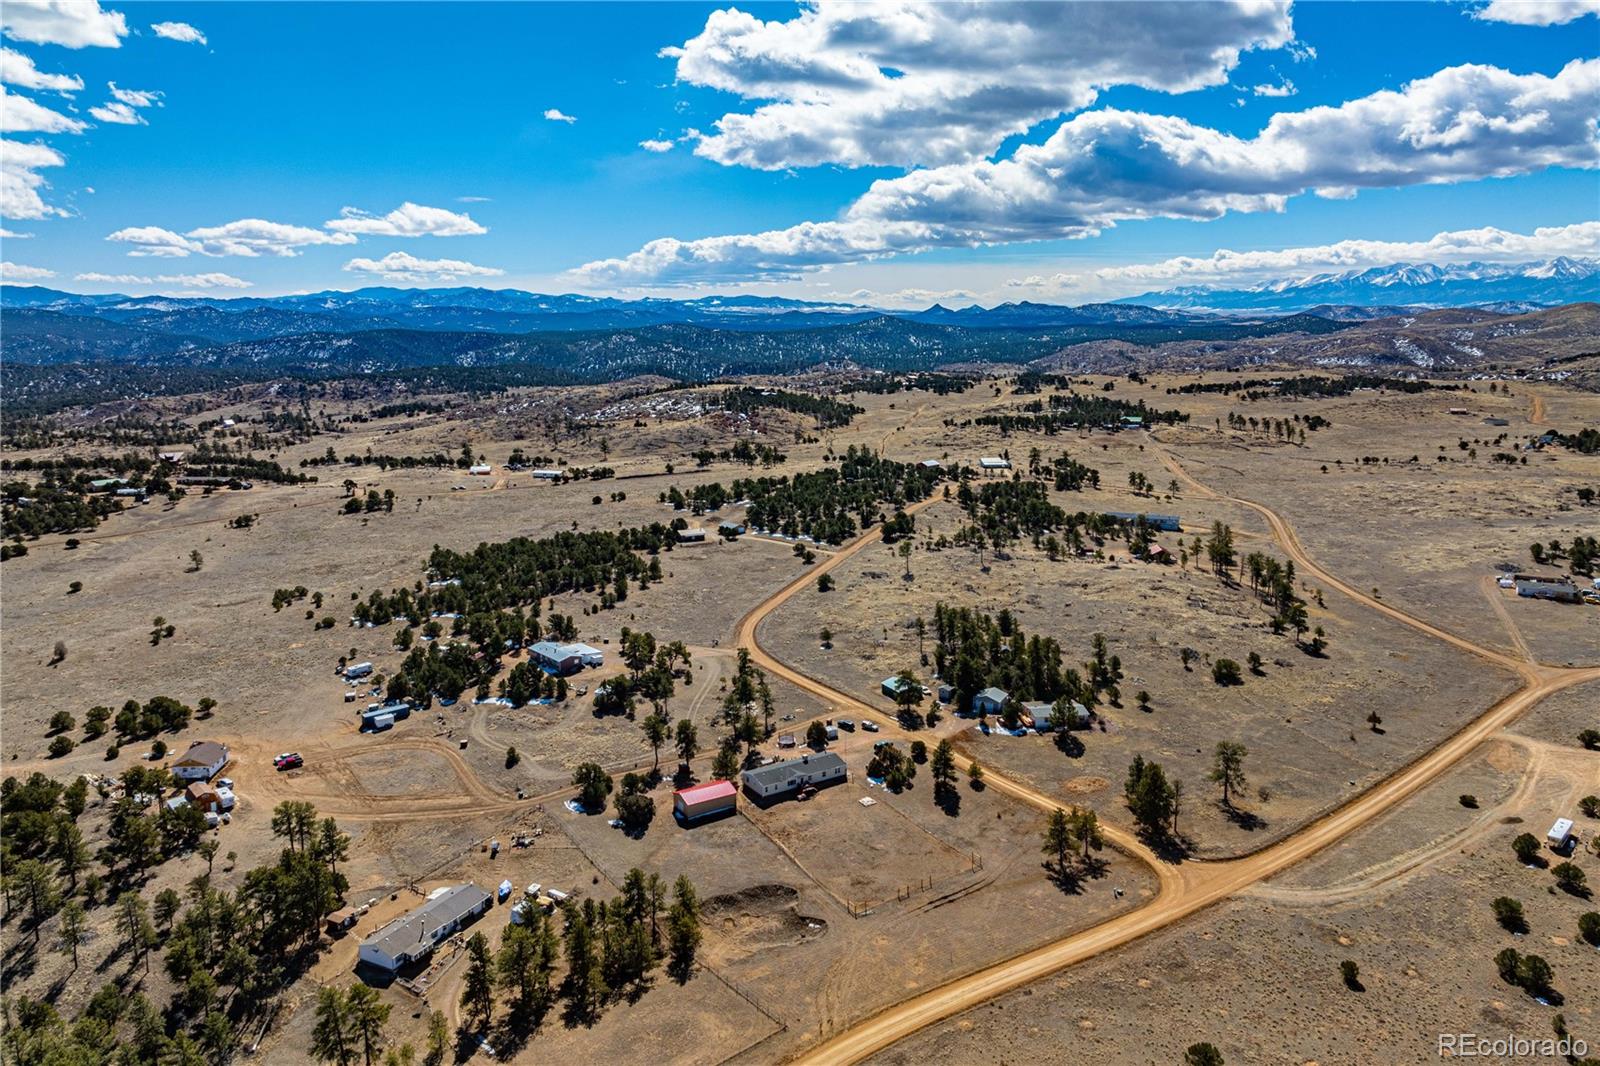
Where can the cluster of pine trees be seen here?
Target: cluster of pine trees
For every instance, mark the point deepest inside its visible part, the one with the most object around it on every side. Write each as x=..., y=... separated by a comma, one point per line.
x=975, y=651
x=828, y=412
x=228, y=954
x=490, y=585
x=827, y=505
x=610, y=949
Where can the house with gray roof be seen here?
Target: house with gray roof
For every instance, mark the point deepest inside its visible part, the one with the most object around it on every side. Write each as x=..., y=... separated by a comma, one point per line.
x=782, y=778
x=414, y=935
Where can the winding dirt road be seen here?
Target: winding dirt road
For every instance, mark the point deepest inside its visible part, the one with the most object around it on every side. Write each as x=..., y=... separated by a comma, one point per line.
x=1194, y=885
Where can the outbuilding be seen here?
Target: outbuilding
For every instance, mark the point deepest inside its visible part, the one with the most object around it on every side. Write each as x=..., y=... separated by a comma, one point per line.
x=548, y=475
x=783, y=778
x=893, y=686
x=480, y=470
x=203, y=761
x=356, y=671
x=414, y=935
x=692, y=535
x=702, y=801
x=994, y=462
x=1559, y=834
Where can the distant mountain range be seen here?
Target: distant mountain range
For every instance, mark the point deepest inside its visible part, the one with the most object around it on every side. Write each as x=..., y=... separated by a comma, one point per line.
x=1509, y=289
x=381, y=329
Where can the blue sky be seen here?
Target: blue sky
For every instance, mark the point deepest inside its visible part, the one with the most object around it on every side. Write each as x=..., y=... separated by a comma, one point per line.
x=1027, y=157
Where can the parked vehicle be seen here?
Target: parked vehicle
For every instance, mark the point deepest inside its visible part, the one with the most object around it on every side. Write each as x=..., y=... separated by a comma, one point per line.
x=869, y=725
x=289, y=760
x=848, y=723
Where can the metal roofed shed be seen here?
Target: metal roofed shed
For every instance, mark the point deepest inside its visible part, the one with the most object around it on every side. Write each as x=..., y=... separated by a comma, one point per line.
x=414, y=935
x=705, y=800
x=994, y=462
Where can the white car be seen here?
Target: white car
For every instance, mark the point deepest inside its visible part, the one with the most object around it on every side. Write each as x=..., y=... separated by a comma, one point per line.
x=225, y=782
x=869, y=725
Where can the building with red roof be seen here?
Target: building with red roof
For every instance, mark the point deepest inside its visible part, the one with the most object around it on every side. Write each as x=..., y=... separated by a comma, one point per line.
x=704, y=800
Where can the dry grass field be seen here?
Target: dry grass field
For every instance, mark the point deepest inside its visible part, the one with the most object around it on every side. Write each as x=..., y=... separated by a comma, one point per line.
x=821, y=915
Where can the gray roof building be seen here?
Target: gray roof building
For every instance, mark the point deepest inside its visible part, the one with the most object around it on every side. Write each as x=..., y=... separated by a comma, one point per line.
x=414, y=935
x=781, y=777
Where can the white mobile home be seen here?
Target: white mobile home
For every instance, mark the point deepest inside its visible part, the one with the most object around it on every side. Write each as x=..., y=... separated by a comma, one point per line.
x=414, y=935
x=781, y=778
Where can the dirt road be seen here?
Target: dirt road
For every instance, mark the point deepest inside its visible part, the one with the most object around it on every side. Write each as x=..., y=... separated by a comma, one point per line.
x=1194, y=885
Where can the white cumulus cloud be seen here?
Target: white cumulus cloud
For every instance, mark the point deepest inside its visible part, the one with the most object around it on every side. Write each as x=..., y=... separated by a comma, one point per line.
x=407, y=220
x=20, y=180
x=178, y=31
x=909, y=83
x=123, y=107
x=1103, y=167
x=18, y=70
x=406, y=268
x=1537, y=12
x=653, y=145
x=23, y=114
x=69, y=23
x=248, y=237
x=555, y=114
x=18, y=272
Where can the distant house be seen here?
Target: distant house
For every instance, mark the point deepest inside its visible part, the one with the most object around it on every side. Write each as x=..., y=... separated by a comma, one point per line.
x=994, y=462
x=561, y=658
x=990, y=701
x=1132, y=422
x=931, y=464
x=170, y=457
x=357, y=670
x=203, y=761
x=548, y=475
x=414, y=935
x=705, y=800
x=783, y=778
x=1167, y=522
x=1548, y=589
x=692, y=535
